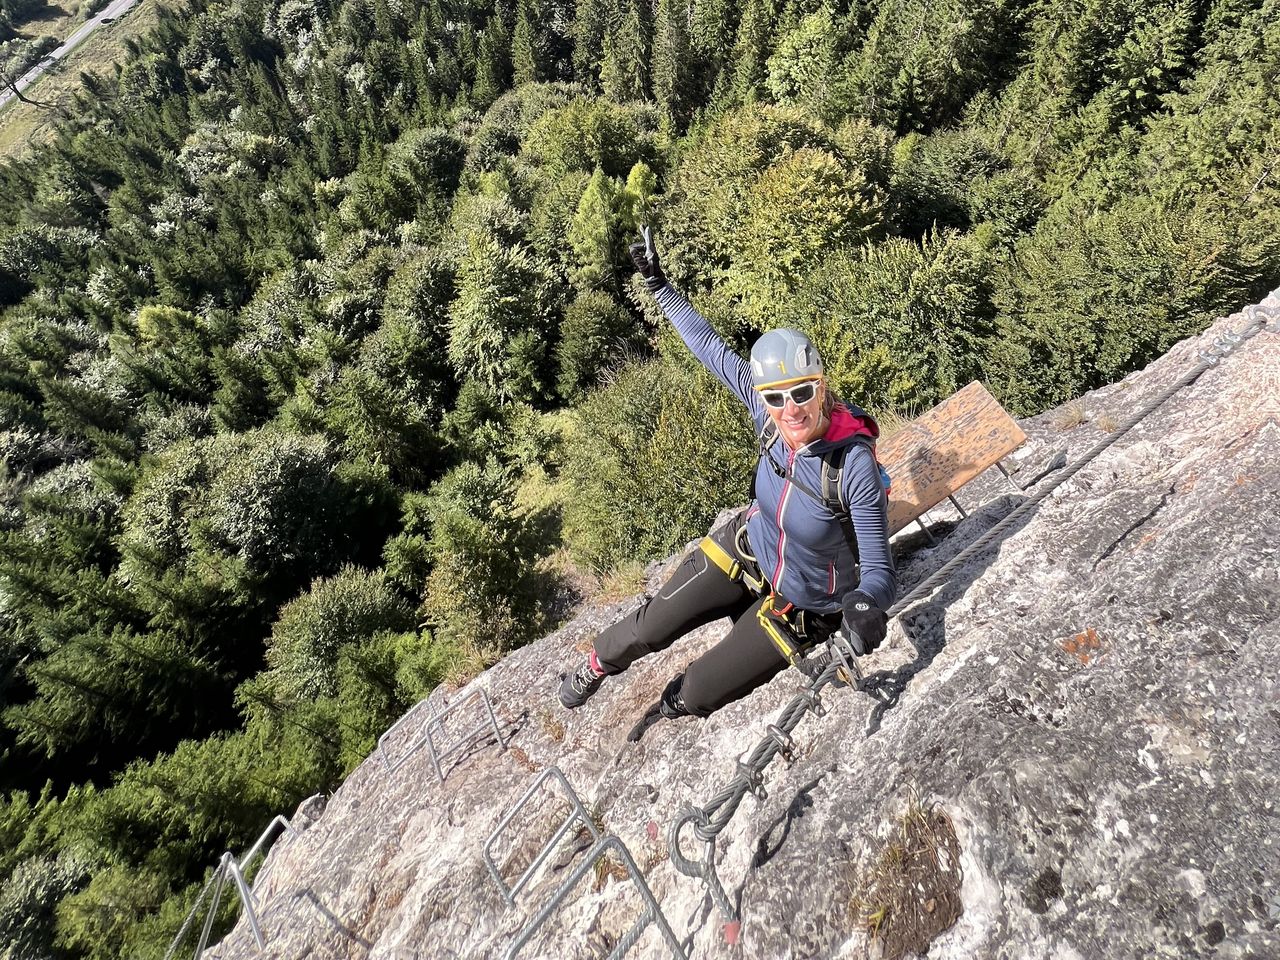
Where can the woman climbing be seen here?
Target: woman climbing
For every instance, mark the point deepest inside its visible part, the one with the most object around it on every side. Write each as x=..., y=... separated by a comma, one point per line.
x=812, y=546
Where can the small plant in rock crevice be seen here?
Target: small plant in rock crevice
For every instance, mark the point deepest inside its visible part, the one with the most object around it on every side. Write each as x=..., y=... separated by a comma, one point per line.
x=911, y=892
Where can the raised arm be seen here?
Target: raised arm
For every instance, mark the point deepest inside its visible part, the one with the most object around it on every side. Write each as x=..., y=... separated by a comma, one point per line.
x=699, y=336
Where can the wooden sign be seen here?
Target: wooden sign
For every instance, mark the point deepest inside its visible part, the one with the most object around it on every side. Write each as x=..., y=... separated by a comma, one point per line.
x=939, y=452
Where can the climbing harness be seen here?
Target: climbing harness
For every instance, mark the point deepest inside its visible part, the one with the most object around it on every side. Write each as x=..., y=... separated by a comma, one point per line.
x=710, y=820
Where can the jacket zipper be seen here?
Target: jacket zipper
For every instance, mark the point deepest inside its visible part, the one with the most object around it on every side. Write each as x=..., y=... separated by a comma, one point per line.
x=782, y=536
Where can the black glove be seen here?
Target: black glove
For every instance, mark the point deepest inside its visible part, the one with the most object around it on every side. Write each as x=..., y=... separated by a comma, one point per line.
x=645, y=258
x=866, y=622
x=669, y=706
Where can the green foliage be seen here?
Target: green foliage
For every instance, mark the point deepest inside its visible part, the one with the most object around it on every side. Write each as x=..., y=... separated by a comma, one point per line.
x=921, y=62
x=594, y=235
x=900, y=324
x=710, y=191
x=27, y=901
x=295, y=265
x=586, y=134
x=530, y=47
x=935, y=180
x=387, y=402
x=805, y=207
x=339, y=611
x=746, y=69
x=801, y=68
x=637, y=199
x=493, y=62
x=596, y=336
x=482, y=592
x=504, y=302
x=658, y=452
x=624, y=74
x=505, y=125
x=673, y=65
x=1108, y=294
x=590, y=22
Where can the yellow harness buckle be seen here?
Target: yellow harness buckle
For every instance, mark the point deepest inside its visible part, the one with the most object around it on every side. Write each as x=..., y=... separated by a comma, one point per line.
x=771, y=628
x=720, y=557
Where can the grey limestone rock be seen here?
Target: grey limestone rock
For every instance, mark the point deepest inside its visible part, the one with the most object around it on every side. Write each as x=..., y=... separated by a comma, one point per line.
x=1094, y=703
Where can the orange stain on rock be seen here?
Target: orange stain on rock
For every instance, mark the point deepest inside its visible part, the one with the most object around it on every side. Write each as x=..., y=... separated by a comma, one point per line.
x=1083, y=646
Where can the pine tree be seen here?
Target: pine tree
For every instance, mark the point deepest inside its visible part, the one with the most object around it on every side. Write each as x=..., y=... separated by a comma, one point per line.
x=625, y=72
x=748, y=62
x=673, y=62
x=530, y=52
x=493, y=62
x=503, y=293
x=593, y=235
x=636, y=201
x=714, y=25
x=590, y=21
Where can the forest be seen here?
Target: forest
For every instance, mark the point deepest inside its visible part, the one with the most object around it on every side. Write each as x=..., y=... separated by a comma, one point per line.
x=324, y=378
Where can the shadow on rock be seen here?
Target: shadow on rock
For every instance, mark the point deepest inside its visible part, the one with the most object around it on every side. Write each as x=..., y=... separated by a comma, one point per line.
x=334, y=921
x=767, y=847
x=925, y=624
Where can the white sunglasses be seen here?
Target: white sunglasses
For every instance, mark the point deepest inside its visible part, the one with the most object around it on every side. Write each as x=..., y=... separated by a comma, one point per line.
x=800, y=394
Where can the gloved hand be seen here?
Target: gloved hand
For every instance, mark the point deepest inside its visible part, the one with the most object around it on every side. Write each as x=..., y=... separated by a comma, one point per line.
x=865, y=621
x=645, y=257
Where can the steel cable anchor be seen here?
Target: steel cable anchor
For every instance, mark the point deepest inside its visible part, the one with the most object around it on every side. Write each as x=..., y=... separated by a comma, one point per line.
x=842, y=650
x=753, y=780
x=786, y=745
x=704, y=871
x=813, y=701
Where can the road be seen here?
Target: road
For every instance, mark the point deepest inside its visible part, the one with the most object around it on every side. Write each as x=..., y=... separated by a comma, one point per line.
x=112, y=10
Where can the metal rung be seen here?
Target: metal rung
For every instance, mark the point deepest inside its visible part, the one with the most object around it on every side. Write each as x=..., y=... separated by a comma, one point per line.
x=577, y=813
x=652, y=912
x=228, y=866
x=1008, y=476
x=427, y=740
x=267, y=836
x=933, y=541
x=964, y=514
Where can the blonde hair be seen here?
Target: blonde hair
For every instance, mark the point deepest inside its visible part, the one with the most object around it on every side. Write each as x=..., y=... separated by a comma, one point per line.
x=829, y=400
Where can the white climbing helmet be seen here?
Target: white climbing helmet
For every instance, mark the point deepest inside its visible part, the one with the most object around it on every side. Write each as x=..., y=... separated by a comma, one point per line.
x=783, y=356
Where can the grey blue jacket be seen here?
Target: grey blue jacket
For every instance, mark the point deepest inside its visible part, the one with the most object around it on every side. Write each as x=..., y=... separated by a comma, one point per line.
x=798, y=541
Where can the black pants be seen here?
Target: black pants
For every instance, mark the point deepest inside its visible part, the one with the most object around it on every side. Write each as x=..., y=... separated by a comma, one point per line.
x=696, y=594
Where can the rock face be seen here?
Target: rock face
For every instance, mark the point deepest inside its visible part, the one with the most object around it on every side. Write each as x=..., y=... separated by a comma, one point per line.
x=1094, y=704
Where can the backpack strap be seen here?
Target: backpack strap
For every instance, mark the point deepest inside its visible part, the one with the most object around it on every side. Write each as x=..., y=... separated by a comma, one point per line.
x=833, y=490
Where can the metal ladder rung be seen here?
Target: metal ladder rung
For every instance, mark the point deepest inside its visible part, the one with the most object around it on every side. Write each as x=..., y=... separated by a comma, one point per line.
x=652, y=912
x=428, y=740
x=228, y=865
x=577, y=813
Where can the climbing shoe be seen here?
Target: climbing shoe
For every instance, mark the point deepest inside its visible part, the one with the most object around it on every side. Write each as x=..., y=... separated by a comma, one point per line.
x=670, y=706
x=577, y=687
